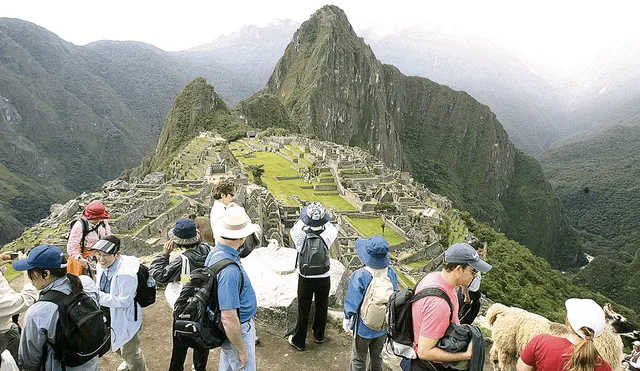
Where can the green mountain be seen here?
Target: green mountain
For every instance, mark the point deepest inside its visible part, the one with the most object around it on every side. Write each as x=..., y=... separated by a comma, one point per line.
x=598, y=180
x=334, y=88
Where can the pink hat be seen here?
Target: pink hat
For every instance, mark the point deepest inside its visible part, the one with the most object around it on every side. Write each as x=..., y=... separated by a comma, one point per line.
x=95, y=210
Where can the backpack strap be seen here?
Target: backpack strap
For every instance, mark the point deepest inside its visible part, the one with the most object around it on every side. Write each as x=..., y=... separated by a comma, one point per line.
x=223, y=263
x=434, y=291
x=86, y=230
x=58, y=298
x=186, y=267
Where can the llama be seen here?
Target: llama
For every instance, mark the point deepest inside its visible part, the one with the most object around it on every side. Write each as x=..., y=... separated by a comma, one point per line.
x=512, y=329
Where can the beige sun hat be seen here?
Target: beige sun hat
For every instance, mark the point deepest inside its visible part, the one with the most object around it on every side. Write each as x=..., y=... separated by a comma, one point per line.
x=234, y=225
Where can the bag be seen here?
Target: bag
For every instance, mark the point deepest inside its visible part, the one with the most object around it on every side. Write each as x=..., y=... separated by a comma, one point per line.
x=313, y=259
x=400, y=320
x=373, y=310
x=173, y=289
x=196, y=313
x=85, y=230
x=146, y=290
x=81, y=331
x=7, y=362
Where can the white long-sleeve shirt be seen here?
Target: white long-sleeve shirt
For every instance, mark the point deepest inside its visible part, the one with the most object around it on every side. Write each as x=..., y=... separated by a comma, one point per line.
x=12, y=302
x=298, y=234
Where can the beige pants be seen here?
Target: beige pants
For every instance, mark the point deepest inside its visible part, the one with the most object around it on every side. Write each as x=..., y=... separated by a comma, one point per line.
x=132, y=354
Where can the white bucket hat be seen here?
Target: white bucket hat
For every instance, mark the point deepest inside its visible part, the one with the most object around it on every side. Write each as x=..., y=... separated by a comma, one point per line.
x=585, y=313
x=234, y=225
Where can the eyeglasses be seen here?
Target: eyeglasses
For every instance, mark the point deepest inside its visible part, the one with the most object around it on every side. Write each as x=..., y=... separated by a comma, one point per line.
x=474, y=271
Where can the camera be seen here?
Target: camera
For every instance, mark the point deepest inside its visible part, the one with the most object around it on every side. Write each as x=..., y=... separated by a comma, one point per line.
x=13, y=256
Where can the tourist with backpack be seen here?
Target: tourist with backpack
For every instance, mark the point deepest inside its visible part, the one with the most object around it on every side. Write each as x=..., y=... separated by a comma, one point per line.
x=64, y=329
x=237, y=301
x=365, y=305
x=117, y=278
x=83, y=233
x=313, y=234
x=184, y=234
x=431, y=313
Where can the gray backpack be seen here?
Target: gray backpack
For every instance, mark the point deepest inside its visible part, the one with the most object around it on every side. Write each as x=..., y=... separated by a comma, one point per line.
x=313, y=259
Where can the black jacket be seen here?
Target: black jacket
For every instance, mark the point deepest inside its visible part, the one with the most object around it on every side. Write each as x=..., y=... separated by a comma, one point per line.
x=164, y=272
x=456, y=340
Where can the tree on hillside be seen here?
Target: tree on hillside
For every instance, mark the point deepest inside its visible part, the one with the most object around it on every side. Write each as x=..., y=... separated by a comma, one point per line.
x=257, y=171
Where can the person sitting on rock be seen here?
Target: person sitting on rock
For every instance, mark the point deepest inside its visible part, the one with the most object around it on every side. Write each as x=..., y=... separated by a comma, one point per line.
x=184, y=235
x=91, y=226
x=313, y=220
x=374, y=254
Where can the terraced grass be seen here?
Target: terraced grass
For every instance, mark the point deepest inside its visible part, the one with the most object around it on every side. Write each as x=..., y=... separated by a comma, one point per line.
x=276, y=165
x=369, y=227
x=404, y=281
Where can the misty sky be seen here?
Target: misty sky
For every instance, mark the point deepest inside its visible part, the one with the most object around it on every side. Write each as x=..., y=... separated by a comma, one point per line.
x=565, y=35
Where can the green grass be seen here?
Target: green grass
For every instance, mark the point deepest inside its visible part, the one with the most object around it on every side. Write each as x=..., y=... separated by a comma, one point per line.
x=417, y=264
x=276, y=165
x=369, y=227
x=404, y=281
x=11, y=274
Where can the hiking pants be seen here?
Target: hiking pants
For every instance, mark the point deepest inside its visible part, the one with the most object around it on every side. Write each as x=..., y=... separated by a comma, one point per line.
x=359, y=349
x=179, y=354
x=469, y=312
x=307, y=289
x=132, y=354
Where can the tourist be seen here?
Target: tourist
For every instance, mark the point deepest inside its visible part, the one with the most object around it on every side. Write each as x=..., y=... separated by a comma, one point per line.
x=469, y=296
x=117, y=278
x=314, y=220
x=431, y=314
x=374, y=254
x=183, y=235
x=575, y=351
x=223, y=193
x=46, y=267
x=12, y=303
x=632, y=360
x=238, y=305
x=91, y=226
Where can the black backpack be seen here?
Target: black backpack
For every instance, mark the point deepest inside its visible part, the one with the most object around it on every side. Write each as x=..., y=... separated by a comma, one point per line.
x=81, y=331
x=196, y=313
x=400, y=320
x=85, y=230
x=146, y=290
x=313, y=258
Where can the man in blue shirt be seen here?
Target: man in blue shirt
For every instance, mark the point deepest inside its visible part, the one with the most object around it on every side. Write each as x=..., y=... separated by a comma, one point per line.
x=238, y=305
x=374, y=254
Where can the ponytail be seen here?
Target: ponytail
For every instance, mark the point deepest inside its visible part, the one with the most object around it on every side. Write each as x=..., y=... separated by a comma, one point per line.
x=584, y=355
x=76, y=284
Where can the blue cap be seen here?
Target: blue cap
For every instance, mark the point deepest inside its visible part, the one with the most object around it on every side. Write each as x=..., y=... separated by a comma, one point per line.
x=373, y=251
x=464, y=253
x=184, y=232
x=43, y=257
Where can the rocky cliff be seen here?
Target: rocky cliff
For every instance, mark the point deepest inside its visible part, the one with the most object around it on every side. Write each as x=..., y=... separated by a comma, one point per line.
x=333, y=86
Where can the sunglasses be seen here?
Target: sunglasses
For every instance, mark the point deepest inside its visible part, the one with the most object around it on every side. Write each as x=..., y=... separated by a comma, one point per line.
x=474, y=271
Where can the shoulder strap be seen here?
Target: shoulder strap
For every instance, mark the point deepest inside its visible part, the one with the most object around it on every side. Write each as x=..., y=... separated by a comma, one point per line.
x=186, y=268
x=53, y=296
x=223, y=263
x=86, y=230
x=434, y=291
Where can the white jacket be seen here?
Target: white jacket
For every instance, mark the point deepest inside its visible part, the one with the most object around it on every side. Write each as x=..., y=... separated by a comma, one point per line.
x=124, y=283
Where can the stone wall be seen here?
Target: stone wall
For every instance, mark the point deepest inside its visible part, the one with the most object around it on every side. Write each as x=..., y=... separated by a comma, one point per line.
x=148, y=207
